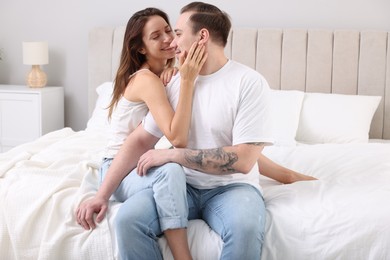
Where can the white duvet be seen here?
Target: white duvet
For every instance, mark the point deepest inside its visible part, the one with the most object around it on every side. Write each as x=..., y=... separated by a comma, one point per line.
x=343, y=215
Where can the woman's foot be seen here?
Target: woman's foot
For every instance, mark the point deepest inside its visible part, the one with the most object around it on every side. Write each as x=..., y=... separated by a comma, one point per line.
x=296, y=176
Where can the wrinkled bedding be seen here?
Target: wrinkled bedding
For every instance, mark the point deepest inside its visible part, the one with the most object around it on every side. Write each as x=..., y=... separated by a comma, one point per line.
x=343, y=215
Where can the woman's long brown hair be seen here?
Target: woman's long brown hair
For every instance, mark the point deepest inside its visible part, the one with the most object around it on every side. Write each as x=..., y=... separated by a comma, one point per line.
x=131, y=59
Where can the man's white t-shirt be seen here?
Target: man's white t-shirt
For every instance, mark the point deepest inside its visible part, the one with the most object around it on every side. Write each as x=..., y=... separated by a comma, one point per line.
x=230, y=107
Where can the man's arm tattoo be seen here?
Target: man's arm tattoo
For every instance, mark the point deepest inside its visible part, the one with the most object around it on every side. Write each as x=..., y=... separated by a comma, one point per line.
x=216, y=160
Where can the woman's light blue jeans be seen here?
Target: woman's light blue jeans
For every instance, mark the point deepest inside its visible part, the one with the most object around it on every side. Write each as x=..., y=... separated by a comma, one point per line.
x=236, y=212
x=159, y=199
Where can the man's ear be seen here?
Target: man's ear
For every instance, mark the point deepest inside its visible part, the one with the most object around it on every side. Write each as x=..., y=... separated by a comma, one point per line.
x=204, y=35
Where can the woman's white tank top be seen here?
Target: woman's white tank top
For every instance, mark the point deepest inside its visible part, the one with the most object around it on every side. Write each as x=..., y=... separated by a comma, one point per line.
x=124, y=119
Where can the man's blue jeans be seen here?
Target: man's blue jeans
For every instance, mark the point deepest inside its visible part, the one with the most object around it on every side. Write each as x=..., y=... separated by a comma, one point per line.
x=236, y=212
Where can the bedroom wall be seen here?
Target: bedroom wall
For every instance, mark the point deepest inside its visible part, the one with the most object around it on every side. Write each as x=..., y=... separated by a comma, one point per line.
x=65, y=25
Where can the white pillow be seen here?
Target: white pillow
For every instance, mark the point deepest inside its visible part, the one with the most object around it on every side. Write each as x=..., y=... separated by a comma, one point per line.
x=285, y=110
x=99, y=119
x=336, y=118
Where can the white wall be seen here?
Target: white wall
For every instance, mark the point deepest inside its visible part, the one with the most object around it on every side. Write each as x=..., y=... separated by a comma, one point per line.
x=65, y=25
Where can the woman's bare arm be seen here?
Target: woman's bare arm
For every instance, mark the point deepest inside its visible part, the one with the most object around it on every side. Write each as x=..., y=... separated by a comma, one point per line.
x=126, y=159
x=174, y=124
x=275, y=171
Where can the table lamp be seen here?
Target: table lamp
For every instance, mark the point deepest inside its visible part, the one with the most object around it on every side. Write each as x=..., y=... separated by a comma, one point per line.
x=36, y=54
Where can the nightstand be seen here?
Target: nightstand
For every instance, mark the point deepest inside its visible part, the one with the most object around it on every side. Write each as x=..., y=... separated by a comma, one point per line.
x=28, y=113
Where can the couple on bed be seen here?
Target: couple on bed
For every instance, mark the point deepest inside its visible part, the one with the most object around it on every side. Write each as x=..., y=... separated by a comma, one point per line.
x=217, y=129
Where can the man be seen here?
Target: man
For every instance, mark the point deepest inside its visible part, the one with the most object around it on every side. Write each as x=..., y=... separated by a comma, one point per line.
x=229, y=128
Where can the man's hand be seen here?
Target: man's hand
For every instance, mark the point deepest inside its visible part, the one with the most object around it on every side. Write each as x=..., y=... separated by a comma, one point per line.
x=152, y=158
x=87, y=210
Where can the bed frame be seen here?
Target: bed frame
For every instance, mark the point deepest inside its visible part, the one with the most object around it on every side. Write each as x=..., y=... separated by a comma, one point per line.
x=344, y=62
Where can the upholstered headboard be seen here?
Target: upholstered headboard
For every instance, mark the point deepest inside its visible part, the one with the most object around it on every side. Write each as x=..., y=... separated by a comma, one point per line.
x=344, y=62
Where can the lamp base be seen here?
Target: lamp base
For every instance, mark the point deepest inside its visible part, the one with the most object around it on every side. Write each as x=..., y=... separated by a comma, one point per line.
x=36, y=78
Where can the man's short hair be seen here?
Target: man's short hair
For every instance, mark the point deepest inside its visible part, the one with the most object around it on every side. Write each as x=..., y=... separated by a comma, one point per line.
x=210, y=17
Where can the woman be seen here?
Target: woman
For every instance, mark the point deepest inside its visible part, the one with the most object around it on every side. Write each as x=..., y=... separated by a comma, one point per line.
x=138, y=88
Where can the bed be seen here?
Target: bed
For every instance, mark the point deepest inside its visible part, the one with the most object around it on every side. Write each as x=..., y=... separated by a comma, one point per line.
x=331, y=110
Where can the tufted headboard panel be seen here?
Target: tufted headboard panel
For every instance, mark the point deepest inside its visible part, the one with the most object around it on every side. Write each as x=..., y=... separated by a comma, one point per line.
x=343, y=62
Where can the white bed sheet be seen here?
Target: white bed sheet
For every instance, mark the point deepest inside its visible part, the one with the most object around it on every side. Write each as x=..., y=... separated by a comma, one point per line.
x=41, y=183
x=343, y=215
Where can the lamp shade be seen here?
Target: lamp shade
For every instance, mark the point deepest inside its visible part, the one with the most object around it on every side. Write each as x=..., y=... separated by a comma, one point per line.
x=35, y=53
